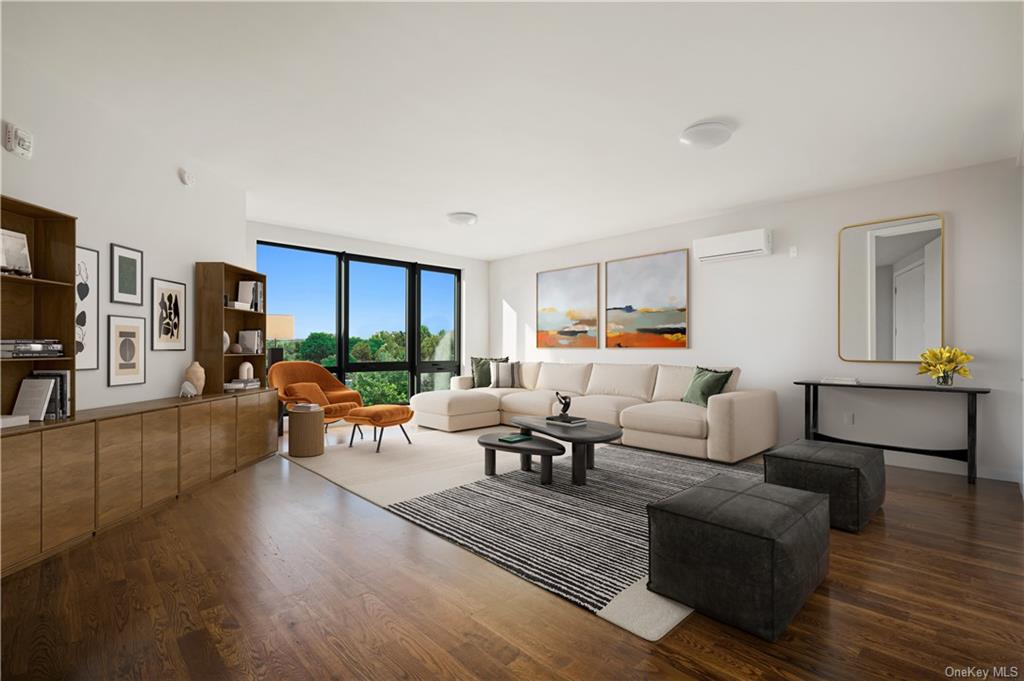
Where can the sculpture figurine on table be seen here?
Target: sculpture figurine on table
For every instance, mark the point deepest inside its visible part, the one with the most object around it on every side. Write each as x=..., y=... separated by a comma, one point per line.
x=565, y=401
x=563, y=418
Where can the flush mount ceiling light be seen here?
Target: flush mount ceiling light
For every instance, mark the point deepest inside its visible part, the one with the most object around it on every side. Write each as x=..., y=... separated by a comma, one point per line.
x=706, y=135
x=462, y=218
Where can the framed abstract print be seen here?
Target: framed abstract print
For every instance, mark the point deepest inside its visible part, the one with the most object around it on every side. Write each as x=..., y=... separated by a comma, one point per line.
x=87, y=309
x=167, y=300
x=646, y=301
x=126, y=350
x=125, y=275
x=567, y=307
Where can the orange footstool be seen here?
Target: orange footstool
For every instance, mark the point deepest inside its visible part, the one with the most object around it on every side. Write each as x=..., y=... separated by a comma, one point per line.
x=380, y=416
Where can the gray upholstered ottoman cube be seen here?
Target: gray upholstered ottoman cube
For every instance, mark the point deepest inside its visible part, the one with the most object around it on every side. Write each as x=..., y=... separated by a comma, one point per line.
x=852, y=476
x=743, y=552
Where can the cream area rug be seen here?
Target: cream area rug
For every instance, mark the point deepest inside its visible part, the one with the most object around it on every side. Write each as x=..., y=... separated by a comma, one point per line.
x=417, y=482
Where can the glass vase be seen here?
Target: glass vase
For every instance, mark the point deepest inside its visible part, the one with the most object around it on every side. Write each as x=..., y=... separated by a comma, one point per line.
x=945, y=379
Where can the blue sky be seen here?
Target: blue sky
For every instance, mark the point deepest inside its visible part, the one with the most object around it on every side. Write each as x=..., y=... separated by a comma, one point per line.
x=304, y=284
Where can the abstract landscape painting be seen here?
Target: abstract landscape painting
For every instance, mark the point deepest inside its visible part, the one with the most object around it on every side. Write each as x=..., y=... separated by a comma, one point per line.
x=646, y=300
x=567, y=308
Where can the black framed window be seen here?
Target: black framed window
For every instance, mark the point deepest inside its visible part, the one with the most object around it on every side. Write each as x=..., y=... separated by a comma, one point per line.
x=302, y=305
x=399, y=322
x=437, y=338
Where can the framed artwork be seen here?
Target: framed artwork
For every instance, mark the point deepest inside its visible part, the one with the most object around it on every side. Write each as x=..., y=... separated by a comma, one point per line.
x=125, y=275
x=646, y=299
x=126, y=350
x=167, y=300
x=567, y=307
x=87, y=309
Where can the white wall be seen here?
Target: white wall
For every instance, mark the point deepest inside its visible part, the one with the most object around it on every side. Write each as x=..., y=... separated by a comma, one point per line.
x=776, y=317
x=122, y=186
x=474, y=272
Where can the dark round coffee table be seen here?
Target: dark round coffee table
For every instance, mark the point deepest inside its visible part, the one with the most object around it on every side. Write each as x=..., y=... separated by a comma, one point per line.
x=527, y=449
x=583, y=439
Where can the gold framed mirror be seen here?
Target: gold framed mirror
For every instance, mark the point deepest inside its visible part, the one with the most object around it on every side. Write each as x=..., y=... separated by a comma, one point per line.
x=891, y=288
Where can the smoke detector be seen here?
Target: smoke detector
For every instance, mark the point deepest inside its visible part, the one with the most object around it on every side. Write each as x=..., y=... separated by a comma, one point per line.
x=462, y=218
x=707, y=134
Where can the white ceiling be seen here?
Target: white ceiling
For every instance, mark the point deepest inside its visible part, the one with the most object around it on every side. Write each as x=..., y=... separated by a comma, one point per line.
x=557, y=123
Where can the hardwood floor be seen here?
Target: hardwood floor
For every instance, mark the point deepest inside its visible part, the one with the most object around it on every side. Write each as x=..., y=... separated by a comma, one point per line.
x=275, y=573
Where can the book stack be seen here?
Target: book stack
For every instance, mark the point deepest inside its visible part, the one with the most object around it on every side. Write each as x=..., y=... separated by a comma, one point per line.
x=305, y=406
x=251, y=341
x=44, y=396
x=60, y=400
x=240, y=384
x=16, y=348
x=566, y=420
x=251, y=293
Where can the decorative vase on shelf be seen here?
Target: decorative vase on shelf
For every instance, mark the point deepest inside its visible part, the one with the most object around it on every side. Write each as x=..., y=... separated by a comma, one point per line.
x=196, y=375
x=245, y=371
x=227, y=341
x=944, y=379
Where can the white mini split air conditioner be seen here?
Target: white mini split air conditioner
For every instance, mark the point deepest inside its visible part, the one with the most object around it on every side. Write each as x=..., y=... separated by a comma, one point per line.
x=730, y=246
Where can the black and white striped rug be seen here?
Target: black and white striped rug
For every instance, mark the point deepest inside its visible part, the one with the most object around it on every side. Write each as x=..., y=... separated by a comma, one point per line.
x=586, y=544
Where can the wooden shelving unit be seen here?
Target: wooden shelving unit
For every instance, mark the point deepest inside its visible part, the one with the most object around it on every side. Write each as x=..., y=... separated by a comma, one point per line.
x=214, y=281
x=41, y=306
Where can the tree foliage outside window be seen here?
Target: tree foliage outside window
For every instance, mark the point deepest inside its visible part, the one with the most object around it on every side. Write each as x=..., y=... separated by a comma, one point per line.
x=376, y=387
x=380, y=387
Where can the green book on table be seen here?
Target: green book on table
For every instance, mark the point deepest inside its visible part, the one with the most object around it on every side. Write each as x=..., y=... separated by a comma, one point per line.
x=515, y=437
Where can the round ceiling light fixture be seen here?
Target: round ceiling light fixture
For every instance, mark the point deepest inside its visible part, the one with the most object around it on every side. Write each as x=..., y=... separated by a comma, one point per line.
x=707, y=134
x=462, y=218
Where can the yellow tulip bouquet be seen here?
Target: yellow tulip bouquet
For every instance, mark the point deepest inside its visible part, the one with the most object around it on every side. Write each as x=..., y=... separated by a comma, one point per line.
x=942, y=363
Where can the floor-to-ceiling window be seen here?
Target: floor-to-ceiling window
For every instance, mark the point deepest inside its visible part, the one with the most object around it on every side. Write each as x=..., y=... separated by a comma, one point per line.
x=302, y=303
x=437, y=341
x=399, y=322
x=377, y=342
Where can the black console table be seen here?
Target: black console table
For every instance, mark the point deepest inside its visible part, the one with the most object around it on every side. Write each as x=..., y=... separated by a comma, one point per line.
x=968, y=454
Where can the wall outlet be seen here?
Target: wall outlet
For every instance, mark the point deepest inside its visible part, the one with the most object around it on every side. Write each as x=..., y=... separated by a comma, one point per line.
x=793, y=251
x=848, y=418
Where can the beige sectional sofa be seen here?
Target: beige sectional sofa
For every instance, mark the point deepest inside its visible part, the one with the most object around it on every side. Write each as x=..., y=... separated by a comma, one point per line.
x=644, y=399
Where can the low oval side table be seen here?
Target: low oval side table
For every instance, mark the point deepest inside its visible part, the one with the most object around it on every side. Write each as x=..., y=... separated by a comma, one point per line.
x=305, y=433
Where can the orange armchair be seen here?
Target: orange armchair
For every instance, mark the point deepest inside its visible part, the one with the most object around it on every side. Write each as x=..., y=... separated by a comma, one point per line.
x=298, y=382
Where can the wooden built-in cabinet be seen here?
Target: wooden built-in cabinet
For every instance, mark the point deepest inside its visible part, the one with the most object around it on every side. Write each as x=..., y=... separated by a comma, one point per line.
x=68, y=491
x=217, y=282
x=250, y=432
x=195, y=445
x=41, y=306
x=159, y=455
x=21, y=474
x=62, y=481
x=118, y=468
x=223, y=437
x=268, y=419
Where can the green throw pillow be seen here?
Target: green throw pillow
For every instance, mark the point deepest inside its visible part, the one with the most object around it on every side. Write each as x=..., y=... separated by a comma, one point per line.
x=482, y=370
x=705, y=383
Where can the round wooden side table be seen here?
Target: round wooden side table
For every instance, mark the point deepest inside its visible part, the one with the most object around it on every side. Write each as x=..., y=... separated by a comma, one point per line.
x=305, y=433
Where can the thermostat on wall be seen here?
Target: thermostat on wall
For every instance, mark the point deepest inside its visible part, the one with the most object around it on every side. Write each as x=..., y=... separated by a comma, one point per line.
x=17, y=140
